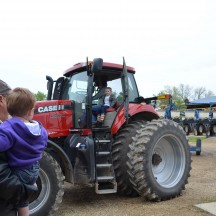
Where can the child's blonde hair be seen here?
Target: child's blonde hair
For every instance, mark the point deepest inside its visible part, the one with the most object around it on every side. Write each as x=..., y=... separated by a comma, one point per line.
x=20, y=101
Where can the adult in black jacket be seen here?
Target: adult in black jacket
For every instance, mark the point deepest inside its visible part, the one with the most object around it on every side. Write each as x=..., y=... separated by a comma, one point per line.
x=12, y=191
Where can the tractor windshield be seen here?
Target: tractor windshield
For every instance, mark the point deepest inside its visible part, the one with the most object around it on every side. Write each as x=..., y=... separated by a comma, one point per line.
x=76, y=88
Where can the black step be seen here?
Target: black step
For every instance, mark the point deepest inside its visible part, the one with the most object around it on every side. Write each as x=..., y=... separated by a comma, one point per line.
x=106, y=165
x=105, y=178
x=103, y=190
x=101, y=129
x=103, y=153
x=102, y=141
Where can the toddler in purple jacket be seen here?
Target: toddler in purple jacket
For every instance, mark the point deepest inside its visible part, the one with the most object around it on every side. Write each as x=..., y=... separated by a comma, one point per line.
x=23, y=139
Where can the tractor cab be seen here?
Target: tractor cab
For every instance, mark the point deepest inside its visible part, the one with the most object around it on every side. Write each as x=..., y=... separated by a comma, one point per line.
x=84, y=84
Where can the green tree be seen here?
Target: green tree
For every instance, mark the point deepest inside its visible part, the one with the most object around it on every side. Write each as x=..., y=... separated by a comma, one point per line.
x=120, y=96
x=40, y=96
x=176, y=96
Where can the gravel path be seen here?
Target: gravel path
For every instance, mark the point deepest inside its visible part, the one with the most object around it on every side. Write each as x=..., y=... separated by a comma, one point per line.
x=201, y=188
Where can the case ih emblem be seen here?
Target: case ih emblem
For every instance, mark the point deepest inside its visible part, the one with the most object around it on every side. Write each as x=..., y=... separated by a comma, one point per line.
x=50, y=108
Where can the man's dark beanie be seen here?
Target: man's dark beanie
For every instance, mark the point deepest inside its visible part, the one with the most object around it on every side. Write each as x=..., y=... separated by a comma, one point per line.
x=4, y=87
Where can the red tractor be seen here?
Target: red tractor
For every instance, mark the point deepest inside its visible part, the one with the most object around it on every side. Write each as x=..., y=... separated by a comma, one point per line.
x=133, y=152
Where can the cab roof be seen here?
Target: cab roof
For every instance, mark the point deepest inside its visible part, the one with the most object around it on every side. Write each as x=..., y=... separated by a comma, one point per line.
x=107, y=68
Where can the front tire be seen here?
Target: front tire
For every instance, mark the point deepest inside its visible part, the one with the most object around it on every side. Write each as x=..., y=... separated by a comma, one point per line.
x=50, y=184
x=161, y=160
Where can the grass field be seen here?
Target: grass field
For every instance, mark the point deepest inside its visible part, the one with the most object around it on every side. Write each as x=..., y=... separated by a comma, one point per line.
x=194, y=138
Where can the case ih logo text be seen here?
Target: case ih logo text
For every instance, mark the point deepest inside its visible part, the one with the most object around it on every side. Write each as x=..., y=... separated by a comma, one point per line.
x=50, y=108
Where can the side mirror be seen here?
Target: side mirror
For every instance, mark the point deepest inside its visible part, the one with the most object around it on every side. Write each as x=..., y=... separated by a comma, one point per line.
x=49, y=87
x=49, y=81
x=58, y=88
x=97, y=65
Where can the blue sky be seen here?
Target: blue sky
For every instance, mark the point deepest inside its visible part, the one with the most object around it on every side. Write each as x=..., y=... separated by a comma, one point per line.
x=168, y=42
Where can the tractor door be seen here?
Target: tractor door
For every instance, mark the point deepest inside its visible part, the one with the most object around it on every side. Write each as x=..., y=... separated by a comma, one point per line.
x=125, y=89
x=75, y=89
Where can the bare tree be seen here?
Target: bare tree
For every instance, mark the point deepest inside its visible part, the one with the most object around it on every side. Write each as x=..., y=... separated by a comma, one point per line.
x=185, y=91
x=199, y=93
x=209, y=93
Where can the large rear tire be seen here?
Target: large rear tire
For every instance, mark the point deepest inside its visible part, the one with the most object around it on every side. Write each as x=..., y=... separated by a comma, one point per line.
x=50, y=184
x=120, y=149
x=160, y=160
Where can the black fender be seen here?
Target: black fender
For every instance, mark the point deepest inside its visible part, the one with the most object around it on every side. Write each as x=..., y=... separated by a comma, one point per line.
x=146, y=116
x=66, y=163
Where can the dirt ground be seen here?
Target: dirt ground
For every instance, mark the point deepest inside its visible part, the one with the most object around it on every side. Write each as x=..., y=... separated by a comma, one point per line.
x=201, y=189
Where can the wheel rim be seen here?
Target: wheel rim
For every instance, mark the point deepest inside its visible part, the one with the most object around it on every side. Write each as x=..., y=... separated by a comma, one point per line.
x=208, y=131
x=186, y=128
x=214, y=129
x=168, y=161
x=201, y=129
x=43, y=184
